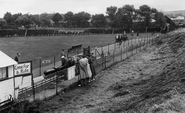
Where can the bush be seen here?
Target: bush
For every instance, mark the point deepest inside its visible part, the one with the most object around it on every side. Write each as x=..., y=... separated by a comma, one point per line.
x=26, y=107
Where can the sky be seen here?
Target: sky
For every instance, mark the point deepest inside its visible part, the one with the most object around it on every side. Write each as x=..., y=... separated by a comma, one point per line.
x=89, y=6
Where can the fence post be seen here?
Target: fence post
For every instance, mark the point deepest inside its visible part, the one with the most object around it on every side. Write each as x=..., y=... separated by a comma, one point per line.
x=101, y=49
x=131, y=48
x=126, y=49
x=102, y=55
x=32, y=83
x=40, y=62
x=114, y=46
x=113, y=56
x=105, y=61
x=140, y=44
x=33, y=87
x=54, y=61
x=137, y=45
x=121, y=54
x=108, y=49
x=147, y=40
x=95, y=51
x=56, y=82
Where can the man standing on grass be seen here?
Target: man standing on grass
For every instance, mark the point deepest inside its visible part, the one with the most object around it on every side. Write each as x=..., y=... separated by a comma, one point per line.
x=62, y=53
x=17, y=57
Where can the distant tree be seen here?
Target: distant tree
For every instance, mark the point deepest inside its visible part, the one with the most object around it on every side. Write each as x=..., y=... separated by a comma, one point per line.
x=45, y=20
x=2, y=22
x=160, y=19
x=145, y=11
x=56, y=18
x=69, y=19
x=24, y=20
x=81, y=19
x=111, y=12
x=36, y=20
x=179, y=14
x=8, y=17
x=125, y=16
x=15, y=17
x=154, y=10
x=99, y=20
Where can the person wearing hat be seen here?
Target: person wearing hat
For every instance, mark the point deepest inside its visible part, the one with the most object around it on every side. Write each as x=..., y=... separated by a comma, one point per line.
x=64, y=61
x=62, y=56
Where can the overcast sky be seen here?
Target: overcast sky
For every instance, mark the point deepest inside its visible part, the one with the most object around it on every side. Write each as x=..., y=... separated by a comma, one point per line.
x=90, y=6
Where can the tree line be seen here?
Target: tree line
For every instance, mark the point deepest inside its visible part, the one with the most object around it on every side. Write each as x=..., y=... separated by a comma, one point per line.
x=123, y=17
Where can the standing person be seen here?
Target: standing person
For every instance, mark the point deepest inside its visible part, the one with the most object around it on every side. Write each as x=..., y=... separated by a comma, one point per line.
x=125, y=36
x=62, y=53
x=83, y=71
x=88, y=69
x=92, y=67
x=137, y=34
x=17, y=57
x=117, y=38
x=132, y=33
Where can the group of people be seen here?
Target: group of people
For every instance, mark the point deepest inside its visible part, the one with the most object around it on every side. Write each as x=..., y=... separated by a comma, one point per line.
x=85, y=65
x=66, y=61
x=121, y=37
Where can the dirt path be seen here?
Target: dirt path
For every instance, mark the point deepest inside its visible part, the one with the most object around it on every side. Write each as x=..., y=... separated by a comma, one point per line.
x=103, y=94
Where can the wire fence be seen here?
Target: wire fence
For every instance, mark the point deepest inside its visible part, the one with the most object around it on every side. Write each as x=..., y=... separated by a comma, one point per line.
x=44, y=87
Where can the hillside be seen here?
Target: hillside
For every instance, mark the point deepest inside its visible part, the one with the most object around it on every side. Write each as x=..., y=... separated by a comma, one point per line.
x=175, y=12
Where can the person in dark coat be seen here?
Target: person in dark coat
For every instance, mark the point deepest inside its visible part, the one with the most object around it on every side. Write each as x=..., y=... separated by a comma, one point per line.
x=137, y=34
x=91, y=60
x=62, y=55
x=64, y=62
x=17, y=57
x=71, y=61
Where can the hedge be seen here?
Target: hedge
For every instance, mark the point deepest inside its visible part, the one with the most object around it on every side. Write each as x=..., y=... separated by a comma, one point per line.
x=46, y=32
x=21, y=32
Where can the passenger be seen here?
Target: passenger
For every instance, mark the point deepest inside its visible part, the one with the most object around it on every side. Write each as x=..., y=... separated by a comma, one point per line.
x=71, y=61
x=64, y=62
x=62, y=55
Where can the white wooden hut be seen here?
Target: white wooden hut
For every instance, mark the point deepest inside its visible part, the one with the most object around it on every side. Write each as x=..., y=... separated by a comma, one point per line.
x=6, y=77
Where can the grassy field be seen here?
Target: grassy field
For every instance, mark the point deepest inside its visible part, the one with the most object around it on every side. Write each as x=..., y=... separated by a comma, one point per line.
x=45, y=46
